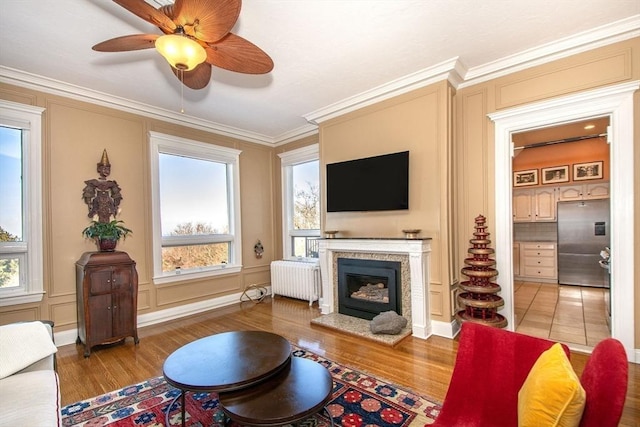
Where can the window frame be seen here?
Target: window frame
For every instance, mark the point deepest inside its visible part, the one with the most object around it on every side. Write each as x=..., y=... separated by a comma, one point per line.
x=287, y=161
x=27, y=118
x=173, y=145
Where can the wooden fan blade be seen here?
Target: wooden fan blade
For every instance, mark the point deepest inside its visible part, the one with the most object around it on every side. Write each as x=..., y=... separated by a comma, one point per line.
x=125, y=43
x=150, y=14
x=234, y=53
x=206, y=20
x=197, y=78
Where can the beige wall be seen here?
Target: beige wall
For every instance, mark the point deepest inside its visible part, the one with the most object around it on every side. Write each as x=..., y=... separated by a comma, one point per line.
x=74, y=135
x=417, y=122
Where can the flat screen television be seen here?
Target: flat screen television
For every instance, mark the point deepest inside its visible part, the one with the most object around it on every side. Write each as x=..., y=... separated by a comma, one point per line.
x=379, y=183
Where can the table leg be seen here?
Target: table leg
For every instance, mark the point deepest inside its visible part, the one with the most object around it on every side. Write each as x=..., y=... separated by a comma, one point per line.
x=329, y=415
x=173, y=402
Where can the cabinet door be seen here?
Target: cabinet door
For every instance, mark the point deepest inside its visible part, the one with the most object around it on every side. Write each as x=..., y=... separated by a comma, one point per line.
x=597, y=191
x=121, y=279
x=100, y=281
x=570, y=192
x=516, y=259
x=99, y=319
x=545, y=200
x=522, y=206
x=123, y=313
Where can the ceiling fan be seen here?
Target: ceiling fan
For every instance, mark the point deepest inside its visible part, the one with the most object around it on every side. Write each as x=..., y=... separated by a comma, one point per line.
x=196, y=36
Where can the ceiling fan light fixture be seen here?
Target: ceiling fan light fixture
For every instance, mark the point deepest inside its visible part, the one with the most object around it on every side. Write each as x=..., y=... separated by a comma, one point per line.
x=180, y=51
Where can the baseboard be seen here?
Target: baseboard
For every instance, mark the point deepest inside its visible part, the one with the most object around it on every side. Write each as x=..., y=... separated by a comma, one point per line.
x=70, y=336
x=445, y=329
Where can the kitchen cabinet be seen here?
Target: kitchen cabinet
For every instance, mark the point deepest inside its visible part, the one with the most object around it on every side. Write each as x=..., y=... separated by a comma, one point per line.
x=538, y=261
x=107, y=295
x=533, y=205
x=598, y=190
x=516, y=259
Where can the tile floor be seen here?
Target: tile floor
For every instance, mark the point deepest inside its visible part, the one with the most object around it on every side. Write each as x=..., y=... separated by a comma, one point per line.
x=570, y=314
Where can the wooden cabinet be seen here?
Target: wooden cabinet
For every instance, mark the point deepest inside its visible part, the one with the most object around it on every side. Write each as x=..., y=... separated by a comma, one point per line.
x=538, y=261
x=534, y=205
x=545, y=204
x=107, y=295
x=598, y=190
x=522, y=206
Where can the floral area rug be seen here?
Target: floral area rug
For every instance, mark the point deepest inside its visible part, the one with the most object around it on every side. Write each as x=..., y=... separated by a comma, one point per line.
x=359, y=400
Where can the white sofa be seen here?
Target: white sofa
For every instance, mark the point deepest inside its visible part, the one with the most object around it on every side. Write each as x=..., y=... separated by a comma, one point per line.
x=29, y=388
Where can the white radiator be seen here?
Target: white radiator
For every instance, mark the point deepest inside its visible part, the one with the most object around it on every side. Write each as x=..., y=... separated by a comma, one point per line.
x=296, y=279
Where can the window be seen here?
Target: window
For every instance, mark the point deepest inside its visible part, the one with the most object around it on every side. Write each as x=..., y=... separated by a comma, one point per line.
x=196, y=209
x=21, y=279
x=301, y=202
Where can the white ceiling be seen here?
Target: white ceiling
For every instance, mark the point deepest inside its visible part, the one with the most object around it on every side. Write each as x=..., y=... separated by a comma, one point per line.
x=330, y=55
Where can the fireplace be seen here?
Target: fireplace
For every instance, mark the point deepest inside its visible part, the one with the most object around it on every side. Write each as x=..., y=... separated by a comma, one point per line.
x=368, y=287
x=413, y=255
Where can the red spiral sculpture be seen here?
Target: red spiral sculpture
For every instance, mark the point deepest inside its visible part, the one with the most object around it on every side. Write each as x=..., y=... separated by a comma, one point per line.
x=479, y=297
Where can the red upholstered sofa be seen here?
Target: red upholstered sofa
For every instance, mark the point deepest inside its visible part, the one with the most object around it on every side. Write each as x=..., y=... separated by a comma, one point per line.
x=492, y=365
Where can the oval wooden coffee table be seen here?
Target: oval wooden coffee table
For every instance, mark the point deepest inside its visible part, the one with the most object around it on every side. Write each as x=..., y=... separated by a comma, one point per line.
x=300, y=390
x=224, y=362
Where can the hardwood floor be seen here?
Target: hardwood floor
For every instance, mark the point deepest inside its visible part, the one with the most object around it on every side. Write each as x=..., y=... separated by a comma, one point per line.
x=423, y=366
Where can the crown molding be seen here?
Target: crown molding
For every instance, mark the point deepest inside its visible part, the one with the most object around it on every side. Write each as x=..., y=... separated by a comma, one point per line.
x=296, y=134
x=459, y=76
x=447, y=70
x=56, y=87
x=588, y=40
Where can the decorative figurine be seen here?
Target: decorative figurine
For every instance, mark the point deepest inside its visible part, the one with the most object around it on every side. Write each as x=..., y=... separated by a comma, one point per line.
x=101, y=195
x=258, y=249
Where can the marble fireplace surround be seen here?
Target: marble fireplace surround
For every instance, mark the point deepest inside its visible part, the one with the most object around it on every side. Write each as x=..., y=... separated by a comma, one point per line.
x=414, y=257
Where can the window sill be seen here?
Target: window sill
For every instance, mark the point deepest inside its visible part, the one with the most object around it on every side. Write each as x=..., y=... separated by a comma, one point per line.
x=173, y=277
x=21, y=298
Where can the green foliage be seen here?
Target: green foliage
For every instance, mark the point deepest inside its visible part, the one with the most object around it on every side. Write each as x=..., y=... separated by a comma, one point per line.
x=8, y=273
x=8, y=267
x=5, y=236
x=106, y=230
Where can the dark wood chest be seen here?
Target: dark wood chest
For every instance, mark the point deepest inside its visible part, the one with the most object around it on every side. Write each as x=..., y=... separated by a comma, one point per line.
x=107, y=298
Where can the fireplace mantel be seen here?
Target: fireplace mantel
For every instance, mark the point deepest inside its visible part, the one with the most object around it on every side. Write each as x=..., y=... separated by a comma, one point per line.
x=418, y=251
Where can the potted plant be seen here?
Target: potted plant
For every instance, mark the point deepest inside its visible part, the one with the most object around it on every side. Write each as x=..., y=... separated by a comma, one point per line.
x=106, y=234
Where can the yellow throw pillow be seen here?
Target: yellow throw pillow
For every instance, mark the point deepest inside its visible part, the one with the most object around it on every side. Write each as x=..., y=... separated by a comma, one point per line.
x=552, y=394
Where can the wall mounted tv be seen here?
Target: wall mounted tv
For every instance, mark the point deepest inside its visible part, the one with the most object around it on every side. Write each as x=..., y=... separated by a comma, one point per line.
x=379, y=183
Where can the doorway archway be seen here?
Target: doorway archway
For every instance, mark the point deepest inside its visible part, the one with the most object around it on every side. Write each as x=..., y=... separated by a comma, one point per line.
x=616, y=102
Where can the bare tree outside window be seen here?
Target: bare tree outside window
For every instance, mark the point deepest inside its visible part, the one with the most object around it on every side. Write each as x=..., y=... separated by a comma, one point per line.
x=306, y=213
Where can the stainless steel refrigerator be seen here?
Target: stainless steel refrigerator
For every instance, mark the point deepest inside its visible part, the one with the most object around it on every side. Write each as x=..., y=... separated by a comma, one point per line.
x=583, y=232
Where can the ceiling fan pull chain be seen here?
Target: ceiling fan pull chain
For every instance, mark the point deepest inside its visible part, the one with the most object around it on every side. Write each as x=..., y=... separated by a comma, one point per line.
x=182, y=91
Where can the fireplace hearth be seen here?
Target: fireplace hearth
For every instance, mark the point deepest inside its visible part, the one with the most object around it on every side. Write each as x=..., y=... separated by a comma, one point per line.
x=368, y=287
